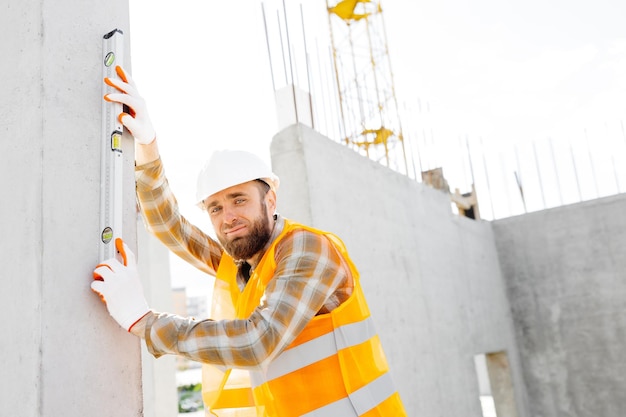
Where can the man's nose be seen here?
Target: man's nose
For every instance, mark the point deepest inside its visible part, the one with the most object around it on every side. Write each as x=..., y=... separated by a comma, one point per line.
x=230, y=216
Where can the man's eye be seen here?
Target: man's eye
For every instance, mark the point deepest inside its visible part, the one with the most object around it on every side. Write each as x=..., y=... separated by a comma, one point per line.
x=214, y=209
x=240, y=200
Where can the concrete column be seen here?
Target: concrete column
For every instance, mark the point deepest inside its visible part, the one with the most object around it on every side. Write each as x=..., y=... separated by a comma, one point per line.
x=62, y=355
x=293, y=105
x=160, y=398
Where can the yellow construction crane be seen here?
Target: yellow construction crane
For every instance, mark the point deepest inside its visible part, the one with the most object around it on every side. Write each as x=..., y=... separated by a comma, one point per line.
x=368, y=105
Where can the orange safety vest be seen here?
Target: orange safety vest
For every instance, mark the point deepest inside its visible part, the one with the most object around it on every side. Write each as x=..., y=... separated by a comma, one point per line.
x=335, y=367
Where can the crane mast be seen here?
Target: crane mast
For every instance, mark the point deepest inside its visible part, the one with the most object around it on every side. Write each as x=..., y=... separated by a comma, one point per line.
x=368, y=104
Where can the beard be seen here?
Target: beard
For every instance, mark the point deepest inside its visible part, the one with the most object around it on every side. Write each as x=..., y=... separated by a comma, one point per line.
x=245, y=247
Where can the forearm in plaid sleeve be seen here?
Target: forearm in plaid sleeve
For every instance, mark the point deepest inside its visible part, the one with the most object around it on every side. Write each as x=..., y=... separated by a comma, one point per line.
x=309, y=272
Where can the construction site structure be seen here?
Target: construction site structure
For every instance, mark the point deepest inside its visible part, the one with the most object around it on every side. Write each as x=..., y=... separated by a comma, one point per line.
x=368, y=105
x=466, y=203
x=363, y=104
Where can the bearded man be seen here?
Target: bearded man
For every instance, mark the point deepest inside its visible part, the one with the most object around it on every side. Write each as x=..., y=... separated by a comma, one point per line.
x=290, y=333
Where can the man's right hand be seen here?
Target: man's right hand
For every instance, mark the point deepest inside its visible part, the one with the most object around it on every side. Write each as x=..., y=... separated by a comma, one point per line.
x=138, y=121
x=117, y=283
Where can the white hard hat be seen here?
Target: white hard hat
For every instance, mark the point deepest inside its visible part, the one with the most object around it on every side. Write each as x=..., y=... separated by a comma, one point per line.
x=227, y=168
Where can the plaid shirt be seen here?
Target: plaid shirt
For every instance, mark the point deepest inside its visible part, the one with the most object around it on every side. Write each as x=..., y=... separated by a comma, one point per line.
x=310, y=278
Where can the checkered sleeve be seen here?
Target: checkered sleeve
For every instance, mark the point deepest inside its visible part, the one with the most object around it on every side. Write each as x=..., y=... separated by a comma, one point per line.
x=309, y=275
x=162, y=218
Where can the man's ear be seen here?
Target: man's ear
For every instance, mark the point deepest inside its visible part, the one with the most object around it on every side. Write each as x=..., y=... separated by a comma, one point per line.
x=270, y=200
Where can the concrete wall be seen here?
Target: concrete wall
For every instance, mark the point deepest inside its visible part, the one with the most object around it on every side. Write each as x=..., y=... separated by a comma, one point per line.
x=61, y=354
x=160, y=398
x=432, y=279
x=565, y=273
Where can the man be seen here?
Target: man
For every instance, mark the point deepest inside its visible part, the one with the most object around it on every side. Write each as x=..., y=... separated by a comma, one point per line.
x=290, y=333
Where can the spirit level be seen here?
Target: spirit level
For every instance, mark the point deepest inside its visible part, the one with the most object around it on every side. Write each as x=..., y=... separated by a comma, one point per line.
x=111, y=163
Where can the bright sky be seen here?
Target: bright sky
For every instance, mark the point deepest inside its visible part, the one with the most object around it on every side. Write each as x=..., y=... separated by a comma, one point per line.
x=506, y=75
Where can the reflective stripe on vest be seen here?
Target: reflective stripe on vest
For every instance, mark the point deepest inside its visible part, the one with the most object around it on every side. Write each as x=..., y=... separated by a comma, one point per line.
x=320, y=348
x=360, y=401
x=322, y=352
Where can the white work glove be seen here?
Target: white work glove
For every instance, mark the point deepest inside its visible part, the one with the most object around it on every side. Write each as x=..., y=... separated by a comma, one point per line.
x=138, y=121
x=119, y=287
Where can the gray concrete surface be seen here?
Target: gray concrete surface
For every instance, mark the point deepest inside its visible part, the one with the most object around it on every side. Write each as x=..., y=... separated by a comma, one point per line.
x=565, y=273
x=432, y=279
x=62, y=355
x=160, y=397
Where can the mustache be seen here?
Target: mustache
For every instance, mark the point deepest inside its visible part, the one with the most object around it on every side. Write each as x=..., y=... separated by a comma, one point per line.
x=234, y=225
